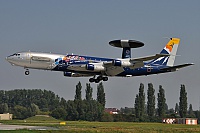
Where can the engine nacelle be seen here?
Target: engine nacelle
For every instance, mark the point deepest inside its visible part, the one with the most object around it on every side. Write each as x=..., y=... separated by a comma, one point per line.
x=69, y=74
x=95, y=67
x=123, y=63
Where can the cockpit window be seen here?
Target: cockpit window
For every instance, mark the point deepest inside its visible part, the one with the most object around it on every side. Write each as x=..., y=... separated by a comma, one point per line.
x=15, y=54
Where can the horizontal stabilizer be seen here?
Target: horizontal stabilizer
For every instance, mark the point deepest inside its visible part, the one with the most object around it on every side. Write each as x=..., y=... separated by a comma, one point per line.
x=147, y=58
x=175, y=68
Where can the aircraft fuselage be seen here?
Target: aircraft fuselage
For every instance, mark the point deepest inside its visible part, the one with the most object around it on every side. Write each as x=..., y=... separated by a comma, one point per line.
x=55, y=62
x=81, y=66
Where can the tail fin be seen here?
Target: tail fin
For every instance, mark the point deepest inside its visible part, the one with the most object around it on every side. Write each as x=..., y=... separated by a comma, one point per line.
x=170, y=48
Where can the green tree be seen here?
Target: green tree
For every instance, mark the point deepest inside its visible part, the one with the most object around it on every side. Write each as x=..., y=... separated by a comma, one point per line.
x=183, y=102
x=151, y=101
x=101, y=94
x=59, y=113
x=137, y=106
x=21, y=112
x=3, y=108
x=140, y=103
x=72, y=110
x=63, y=103
x=35, y=109
x=78, y=102
x=80, y=109
x=161, y=102
x=106, y=117
x=191, y=112
x=93, y=110
x=88, y=92
x=78, y=91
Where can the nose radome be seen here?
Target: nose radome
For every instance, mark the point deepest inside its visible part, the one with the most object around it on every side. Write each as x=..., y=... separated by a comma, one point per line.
x=7, y=58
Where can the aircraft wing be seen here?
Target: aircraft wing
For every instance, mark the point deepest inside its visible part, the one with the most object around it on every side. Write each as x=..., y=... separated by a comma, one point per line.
x=151, y=57
x=132, y=63
x=146, y=58
x=175, y=68
x=110, y=68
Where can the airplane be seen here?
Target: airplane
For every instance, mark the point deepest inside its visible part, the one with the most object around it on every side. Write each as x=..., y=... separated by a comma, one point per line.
x=87, y=66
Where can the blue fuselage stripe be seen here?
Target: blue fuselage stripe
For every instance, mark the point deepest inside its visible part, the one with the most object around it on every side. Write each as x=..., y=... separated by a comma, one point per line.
x=153, y=69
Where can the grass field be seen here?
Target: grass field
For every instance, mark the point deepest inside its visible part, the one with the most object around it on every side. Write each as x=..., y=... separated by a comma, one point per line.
x=100, y=127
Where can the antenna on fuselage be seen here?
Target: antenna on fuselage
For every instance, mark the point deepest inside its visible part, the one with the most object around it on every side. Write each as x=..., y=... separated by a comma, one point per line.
x=126, y=45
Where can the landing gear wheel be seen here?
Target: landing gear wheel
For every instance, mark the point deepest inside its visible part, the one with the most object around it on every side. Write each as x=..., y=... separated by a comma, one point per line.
x=105, y=78
x=27, y=72
x=100, y=78
x=96, y=81
x=91, y=80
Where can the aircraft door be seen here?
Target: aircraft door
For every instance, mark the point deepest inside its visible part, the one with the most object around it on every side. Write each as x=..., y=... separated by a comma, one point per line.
x=28, y=57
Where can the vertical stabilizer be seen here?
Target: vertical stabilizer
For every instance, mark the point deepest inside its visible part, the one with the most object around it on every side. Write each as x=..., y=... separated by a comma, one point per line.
x=174, y=45
x=170, y=48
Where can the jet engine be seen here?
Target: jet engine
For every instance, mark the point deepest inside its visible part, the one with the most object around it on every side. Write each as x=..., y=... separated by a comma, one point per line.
x=123, y=63
x=69, y=74
x=72, y=74
x=127, y=63
x=95, y=67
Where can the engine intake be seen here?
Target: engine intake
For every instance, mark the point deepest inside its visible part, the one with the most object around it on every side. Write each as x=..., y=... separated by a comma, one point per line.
x=69, y=74
x=124, y=63
x=90, y=67
x=95, y=67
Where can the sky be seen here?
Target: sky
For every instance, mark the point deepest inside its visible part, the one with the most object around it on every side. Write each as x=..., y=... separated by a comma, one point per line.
x=85, y=28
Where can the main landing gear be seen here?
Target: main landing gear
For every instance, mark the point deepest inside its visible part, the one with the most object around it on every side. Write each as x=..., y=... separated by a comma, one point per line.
x=98, y=79
x=27, y=72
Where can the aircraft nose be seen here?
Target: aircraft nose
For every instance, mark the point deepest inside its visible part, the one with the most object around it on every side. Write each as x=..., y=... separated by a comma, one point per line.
x=8, y=58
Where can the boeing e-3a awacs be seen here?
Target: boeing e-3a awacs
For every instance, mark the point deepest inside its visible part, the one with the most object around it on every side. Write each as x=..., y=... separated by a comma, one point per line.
x=101, y=68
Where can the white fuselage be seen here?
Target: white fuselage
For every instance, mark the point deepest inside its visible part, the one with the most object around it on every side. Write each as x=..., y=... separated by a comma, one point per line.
x=34, y=60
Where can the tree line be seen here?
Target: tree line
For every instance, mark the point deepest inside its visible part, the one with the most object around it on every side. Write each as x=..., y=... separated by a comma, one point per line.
x=24, y=103
x=149, y=111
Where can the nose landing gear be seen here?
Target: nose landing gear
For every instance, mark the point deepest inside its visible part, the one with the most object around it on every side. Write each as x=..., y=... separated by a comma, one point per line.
x=98, y=79
x=27, y=72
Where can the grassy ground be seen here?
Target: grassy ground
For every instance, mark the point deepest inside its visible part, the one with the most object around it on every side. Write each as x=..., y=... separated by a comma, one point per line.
x=98, y=127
